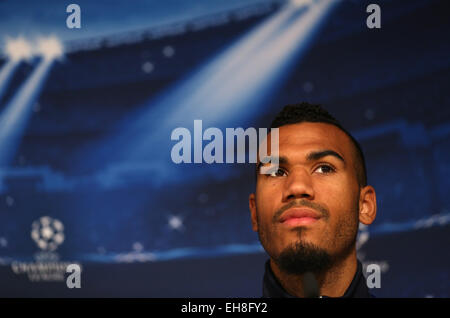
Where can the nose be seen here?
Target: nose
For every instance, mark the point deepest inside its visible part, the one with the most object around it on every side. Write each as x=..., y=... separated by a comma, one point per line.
x=298, y=185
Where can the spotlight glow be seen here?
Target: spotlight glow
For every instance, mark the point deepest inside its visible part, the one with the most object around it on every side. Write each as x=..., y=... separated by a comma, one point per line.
x=228, y=89
x=16, y=114
x=18, y=49
x=301, y=3
x=51, y=48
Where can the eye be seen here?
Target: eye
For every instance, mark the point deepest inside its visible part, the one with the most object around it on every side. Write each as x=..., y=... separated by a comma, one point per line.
x=325, y=169
x=275, y=172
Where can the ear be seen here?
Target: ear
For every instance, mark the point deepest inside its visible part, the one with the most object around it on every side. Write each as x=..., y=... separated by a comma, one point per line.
x=252, y=207
x=367, y=205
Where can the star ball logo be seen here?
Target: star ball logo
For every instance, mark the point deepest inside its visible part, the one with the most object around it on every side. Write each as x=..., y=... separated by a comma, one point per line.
x=48, y=233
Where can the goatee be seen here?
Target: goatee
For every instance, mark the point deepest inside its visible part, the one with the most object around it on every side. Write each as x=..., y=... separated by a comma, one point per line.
x=302, y=257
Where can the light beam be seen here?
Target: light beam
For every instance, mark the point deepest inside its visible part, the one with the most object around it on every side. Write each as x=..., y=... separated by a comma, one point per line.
x=15, y=51
x=225, y=92
x=15, y=116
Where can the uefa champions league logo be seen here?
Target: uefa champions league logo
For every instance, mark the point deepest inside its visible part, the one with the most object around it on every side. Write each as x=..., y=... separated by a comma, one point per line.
x=47, y=233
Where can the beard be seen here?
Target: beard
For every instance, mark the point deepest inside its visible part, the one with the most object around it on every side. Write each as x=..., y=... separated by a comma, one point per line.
x=302, y=257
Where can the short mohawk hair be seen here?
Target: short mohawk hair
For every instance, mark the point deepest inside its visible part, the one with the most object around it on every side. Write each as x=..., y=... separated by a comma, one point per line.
x=314, y=113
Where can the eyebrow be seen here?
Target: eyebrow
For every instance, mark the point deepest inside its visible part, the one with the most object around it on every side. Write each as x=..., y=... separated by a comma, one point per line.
x=312, y=156
x=316, y=155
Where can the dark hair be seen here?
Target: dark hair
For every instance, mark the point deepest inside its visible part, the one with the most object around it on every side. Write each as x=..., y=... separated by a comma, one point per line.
x=311, y=113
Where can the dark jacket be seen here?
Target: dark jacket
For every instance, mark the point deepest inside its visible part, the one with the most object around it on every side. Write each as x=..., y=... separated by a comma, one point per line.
x=273, y=289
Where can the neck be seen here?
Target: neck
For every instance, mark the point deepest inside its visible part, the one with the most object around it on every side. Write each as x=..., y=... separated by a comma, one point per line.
x=332, y=282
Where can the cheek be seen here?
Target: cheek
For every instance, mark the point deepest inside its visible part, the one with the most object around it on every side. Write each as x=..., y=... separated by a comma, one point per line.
x=264, y=208
x=266, y=205
x=338, y=195
x=268, y=193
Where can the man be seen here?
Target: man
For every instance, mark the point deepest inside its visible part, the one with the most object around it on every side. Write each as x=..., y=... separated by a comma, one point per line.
x=307, y=209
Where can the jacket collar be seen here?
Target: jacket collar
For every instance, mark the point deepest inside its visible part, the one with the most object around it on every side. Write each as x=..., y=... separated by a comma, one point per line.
x=273, y=289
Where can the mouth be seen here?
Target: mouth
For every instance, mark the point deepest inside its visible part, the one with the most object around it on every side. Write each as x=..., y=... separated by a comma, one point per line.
x=299, y=217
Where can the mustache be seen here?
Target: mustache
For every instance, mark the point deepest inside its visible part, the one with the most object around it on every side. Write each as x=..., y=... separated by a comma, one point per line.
x=324, y=213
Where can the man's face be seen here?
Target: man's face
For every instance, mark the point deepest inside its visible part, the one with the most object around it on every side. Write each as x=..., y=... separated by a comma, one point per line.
x=312, y=197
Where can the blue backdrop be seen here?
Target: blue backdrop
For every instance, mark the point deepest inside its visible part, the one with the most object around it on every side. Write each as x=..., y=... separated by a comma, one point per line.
x=86, y=175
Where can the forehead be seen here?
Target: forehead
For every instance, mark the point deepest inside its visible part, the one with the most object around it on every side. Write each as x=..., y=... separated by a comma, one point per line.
x=300, y=139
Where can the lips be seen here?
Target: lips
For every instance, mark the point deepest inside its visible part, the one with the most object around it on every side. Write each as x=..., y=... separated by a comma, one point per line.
x=299, y=216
